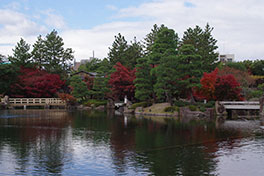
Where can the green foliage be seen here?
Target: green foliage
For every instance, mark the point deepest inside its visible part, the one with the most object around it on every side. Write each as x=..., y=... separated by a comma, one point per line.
x=165, y=44
x=257, y=67
x=202, y=108
x=192, y=107
x=80, y=90
x=256, y=93
x=204, y=44
x=140, y=104
x=143, y=82
x=8, y=75
x=50, y=54
x=171, y=109
x=151, y=37
x=163, y=57
x=124, y=53
x=94, y=102
x=21, y=55
x=188, y=68
x=100, y=87
x=180, y=103
x=237, y=65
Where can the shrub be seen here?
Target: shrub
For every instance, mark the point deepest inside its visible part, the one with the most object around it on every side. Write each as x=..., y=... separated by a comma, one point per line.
x=140, y=104
x=210, y=104
x=192, y=107
x=96, y=103
x=202, y=108
x=256, y=94
x=171, y=109
x=181, y=103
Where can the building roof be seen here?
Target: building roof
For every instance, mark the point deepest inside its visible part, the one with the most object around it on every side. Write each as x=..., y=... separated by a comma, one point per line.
x=93, y=74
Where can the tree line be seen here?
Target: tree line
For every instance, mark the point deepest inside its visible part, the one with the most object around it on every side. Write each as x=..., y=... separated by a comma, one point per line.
x=161, y=68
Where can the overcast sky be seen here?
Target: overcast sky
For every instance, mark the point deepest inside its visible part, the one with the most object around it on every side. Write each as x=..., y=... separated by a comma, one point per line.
x=87, y=25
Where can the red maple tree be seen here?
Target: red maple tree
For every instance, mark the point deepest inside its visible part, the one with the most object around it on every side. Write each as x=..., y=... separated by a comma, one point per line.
x=34, y=82
x=219, y=87
x=122, y=82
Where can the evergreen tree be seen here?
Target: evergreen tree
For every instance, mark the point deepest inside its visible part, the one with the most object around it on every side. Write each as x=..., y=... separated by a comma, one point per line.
x=21, y=55
x=133, y=52
x=165, y=44
x=143, y=82
x=151, y=37
x=204, y=44
x=162, y=60
x=80, y=90
x=100, y=87
x=50, y=53
x=117, y=52
x=188, y=68
x=38, y=53
x=8, y=75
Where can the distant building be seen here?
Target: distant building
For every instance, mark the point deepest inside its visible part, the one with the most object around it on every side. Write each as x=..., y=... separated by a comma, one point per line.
x=84, y=74
x=226, y=57
x=76, y=65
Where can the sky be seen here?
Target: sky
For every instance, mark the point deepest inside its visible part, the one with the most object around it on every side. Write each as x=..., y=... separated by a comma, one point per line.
x=88, y=25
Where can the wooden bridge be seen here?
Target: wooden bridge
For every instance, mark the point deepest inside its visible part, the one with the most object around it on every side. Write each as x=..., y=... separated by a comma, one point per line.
x=24, y=102
x=239, y=108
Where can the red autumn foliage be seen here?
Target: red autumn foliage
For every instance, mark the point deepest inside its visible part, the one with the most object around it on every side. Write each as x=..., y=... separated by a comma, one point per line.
x=122, y=82
x=67, y=97
x=219, y=87
x=89, y=82
x=243, y=77
x=34, y=82
x=227, y=88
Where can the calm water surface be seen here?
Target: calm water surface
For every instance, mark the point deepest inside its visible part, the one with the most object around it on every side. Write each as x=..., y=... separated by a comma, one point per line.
x=57, y=142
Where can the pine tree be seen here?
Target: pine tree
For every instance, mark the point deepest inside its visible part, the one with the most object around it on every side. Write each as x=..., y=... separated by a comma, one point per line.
x=100, y=87
x=143, y=82
x=80, y=90
x=133, y=52
x=188, y=68
x=165, y=44
x=50, y=54
x=21, y=55
x=38, y=53
x=117, y=52
x=162, y=60
x=151, y=37
x=204, y=44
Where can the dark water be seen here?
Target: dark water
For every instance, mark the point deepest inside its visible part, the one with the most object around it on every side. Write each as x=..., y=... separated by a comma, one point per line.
x=53, y=142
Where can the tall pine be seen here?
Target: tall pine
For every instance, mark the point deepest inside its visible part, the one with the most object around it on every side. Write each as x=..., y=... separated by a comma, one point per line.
x=21, y=55
x=143, y=82
x=188, y=68
x=204, y=44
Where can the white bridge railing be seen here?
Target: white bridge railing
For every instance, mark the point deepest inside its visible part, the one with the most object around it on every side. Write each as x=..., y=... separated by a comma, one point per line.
x=35, y=101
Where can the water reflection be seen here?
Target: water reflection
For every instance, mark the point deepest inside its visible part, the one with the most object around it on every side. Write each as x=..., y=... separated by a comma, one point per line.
x=51, y=142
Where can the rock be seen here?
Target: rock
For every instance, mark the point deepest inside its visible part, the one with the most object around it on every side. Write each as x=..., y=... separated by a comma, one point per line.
x=100, y=108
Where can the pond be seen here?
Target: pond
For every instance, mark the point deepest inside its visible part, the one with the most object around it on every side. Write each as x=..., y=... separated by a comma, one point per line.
x=59, y=142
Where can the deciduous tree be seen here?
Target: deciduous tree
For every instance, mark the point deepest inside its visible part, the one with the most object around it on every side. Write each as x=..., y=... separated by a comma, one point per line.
x=122, y=82
x=36, y=83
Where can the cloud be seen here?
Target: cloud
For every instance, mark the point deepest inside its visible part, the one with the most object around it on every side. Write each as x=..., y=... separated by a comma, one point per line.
x=111, y=7
x=54, y=20
x=13, y=26
x=237, y=25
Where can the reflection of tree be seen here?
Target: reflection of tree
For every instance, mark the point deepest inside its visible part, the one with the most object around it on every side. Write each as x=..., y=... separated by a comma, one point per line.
x=37, y=139
x=122, y=141
x=177, y=149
